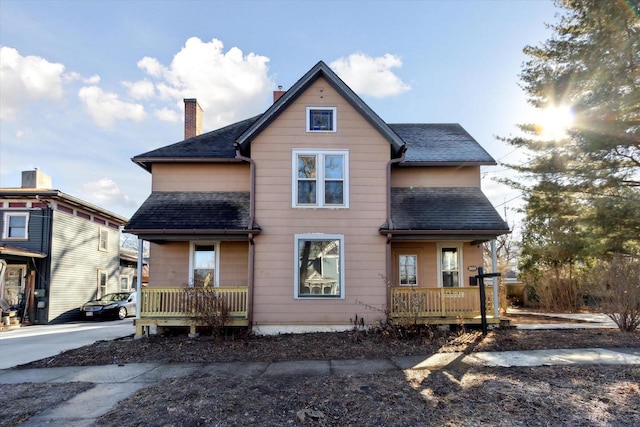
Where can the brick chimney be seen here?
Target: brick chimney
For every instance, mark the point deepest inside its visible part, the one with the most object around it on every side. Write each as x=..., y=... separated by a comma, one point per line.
x=192, y=118
x=277, y=94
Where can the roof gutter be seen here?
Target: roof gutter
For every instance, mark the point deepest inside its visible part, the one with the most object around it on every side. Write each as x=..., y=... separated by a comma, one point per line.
x=193, y=231
x=443, y=232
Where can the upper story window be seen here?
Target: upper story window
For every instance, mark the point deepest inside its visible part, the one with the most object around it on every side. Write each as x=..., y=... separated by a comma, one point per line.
x=16, y=226
x=320, y=179
x=103, y=240
x=321, y=119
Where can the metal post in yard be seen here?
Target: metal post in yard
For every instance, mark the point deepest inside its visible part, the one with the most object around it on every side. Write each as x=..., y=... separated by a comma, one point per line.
x=483, y=301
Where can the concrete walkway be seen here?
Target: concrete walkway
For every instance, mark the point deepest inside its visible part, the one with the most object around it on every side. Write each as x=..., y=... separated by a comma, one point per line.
x=119, y=382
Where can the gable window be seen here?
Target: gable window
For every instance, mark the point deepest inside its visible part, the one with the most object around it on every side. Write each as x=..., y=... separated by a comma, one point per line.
x=103, y=240
x=103, y=281
x=408, y=270
x=321, y=119
x=16, y=226
x=319, y=266
x=204, y=259
x=320, y=179
x=449, y=262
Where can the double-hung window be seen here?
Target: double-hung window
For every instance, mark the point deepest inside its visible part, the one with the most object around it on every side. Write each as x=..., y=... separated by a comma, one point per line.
x=103, y=239
x=320, y=179
x=16, y=226
x=103, y=282
x=319, y=266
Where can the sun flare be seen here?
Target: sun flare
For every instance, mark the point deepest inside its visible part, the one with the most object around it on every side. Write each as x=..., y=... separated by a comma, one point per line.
x=553, y=122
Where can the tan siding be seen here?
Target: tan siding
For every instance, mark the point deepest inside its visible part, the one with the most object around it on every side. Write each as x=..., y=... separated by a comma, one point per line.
x=472, y=256
x=427, y=262
x=364, y=247
x=169, y=265
x=467, y=176
x=200, y=177
x=234, y=263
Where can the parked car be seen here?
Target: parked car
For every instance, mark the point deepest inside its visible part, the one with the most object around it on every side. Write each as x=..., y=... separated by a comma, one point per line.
x=116, y=305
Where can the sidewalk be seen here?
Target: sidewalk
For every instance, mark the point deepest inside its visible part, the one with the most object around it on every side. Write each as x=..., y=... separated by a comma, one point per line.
x=121, y=381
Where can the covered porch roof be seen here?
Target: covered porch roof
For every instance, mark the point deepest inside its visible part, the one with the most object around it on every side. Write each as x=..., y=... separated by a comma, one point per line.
x=443, y=213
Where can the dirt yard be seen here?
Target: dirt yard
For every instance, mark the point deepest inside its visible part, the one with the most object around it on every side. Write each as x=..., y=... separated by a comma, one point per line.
x=457, y=395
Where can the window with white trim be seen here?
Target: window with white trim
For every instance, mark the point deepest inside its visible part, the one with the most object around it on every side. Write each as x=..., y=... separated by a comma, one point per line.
x=320, y=179
x=449, y=263
x=103, y=239
x=204, y=259
x=16, y=226
x=103, y=282
x=408, y=270
x=321, y=119
x=319, y=266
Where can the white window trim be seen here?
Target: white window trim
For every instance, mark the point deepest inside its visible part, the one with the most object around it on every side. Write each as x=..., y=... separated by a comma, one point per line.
x=453, y=244
x=320, y=155
x=192, y=246
x=102, y=271
x=5, y=228
x=296, y=265
x=100, y=230
x=400, y=270
x=323, y=108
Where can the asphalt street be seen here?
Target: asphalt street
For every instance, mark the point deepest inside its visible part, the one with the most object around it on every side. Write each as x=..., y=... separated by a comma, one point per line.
x=29, y=343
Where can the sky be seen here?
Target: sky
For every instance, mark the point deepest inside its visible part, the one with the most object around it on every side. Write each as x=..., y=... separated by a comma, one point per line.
x=87, y=85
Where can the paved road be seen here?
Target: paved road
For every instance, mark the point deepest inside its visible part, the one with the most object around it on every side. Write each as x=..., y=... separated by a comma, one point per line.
x=29, y=343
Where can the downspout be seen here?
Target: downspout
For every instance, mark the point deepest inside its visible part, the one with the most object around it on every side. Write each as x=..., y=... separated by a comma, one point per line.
x=391, y=162
x=252, y=213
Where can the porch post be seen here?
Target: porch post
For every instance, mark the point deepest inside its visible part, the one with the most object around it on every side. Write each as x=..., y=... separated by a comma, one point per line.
x=494, y=261
x=139, y=279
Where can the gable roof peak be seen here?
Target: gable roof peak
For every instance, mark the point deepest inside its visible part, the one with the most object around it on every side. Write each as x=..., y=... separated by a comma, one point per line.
x=321, y=69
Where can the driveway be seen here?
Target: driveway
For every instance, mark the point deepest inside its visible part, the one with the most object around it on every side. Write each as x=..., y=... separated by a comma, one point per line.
x=29, y=343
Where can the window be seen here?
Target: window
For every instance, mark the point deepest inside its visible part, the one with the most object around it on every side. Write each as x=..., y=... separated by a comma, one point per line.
x=408, y=270
x=16, y=226
x=321, y=119
x=320, y=179
x=204, y=259
x=103, y=281
x=103, y=240
x=450, y=260
x=124, y=283
x=319, y=266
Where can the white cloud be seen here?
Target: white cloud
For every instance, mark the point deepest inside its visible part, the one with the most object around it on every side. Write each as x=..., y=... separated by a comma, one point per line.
x=106, y=192
x=105, y=107
x=371, y=76
x=142, y=89
x=24, y=79
x=229, y=86
x=167, y=115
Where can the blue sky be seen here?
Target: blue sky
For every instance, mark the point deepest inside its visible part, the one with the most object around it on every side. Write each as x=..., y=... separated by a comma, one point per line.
x=86, y=85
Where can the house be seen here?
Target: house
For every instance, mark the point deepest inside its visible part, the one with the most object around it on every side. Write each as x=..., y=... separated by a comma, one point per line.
x=314, y=212
x=60, y=251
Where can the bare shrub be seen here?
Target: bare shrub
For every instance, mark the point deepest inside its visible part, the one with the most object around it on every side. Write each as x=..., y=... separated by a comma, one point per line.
x=616, y=290
x=208, y=308
x=554, y=289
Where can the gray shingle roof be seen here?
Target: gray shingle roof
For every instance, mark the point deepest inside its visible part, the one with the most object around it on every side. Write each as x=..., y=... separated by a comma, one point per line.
x=217, y=144
x=444, y=208
x=192, y=210
x=434, y=143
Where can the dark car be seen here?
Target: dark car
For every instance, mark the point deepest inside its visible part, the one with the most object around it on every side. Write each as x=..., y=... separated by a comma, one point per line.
x=117, y=305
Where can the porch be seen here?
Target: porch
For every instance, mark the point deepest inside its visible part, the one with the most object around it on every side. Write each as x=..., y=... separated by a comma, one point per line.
x=441, y=305
x=177, y=306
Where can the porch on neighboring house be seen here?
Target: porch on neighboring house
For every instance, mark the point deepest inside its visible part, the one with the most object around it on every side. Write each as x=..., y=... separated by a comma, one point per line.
x=177, y=306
